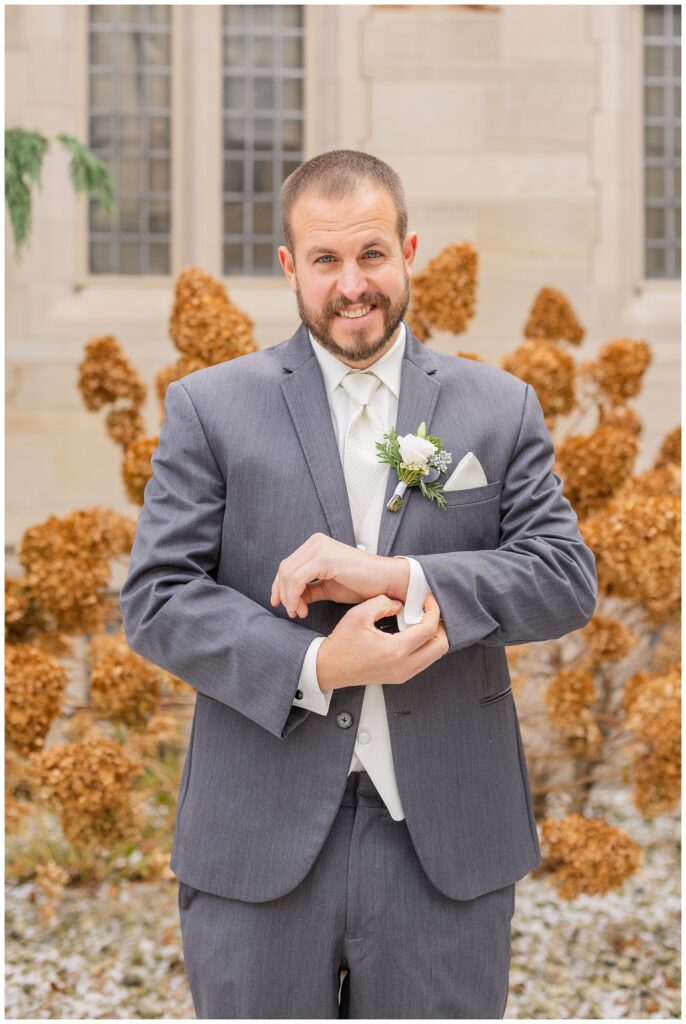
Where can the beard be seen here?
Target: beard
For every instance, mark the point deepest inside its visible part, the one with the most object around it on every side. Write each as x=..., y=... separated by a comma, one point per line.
x=363, y=345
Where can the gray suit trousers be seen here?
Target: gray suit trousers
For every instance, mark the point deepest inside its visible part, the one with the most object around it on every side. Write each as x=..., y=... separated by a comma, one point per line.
x=365, y=906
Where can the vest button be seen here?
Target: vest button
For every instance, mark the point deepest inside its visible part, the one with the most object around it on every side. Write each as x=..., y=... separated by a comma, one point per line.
x=344, y=720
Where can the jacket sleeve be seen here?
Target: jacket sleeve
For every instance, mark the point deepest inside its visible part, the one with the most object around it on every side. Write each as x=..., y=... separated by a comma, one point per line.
x=176, y=614
x=540, y=582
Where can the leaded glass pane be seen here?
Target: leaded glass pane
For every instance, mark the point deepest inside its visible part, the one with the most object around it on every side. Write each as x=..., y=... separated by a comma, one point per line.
x=263, y=80
x=129, y=94
x=662, y=142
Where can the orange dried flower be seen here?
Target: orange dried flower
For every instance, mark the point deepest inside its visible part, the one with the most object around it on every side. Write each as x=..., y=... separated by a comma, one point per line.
x=124, y=686
x=28, y=622
x=549, y=370
x=444, y=293
x=607, y=639
x=619, y=367
x=34, y=690
x=137, y=468
x=622, y=416
x=67, y=565
x=204, y=323
x=124, y=425
x=636, y=543
x=567, y=694
x=655, y=719
x=594, y=466
x=106, y=375
x=552, y=317
x=654, y=482
x=567, y=699
x=88, y=785
x=670, y=449
x=585, y=855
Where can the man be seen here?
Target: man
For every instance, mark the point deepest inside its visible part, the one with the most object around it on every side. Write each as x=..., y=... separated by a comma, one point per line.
x=352, y=799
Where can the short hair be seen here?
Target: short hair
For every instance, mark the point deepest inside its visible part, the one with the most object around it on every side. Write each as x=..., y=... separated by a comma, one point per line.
x=337, y=175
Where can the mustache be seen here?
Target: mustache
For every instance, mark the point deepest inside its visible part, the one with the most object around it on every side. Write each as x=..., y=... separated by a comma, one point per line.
x=382, y=303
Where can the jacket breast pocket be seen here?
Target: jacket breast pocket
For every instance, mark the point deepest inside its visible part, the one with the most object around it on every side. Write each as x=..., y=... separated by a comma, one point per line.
x=472, y=517
x=473, y=495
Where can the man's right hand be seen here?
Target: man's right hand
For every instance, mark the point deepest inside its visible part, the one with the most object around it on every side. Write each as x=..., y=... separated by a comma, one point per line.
x=356, y=652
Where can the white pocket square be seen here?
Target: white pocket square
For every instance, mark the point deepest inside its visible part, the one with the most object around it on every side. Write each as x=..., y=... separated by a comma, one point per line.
x=468, y=474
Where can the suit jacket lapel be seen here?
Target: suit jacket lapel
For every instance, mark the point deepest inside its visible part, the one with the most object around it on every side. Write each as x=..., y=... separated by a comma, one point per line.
x=305, y=394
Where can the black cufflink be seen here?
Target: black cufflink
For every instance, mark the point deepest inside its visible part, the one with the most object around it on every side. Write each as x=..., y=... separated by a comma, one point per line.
x=298, y=695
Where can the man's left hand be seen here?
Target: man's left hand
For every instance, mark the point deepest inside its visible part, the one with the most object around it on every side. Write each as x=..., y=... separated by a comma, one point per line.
x=325, y=569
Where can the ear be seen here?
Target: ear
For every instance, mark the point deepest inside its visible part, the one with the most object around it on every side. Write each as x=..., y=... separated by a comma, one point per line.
x=410, y=249
x=287, y=265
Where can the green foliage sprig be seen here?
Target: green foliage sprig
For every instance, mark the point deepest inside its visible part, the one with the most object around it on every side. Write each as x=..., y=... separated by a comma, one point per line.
x=24, y=153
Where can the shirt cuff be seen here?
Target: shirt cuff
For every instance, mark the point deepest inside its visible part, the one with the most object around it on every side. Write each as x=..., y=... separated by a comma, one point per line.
x=417, y=589
x=308, y=695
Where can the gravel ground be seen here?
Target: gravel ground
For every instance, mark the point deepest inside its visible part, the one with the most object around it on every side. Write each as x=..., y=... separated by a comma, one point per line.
x=116, y=953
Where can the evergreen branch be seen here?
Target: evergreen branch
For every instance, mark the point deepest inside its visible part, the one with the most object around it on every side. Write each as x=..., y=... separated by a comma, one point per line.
x=24, y=152
x=434, y=493
x=389, y=451
x=88, y=172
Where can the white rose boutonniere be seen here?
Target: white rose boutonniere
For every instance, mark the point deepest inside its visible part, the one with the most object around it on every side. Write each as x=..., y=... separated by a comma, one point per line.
x=419, y=460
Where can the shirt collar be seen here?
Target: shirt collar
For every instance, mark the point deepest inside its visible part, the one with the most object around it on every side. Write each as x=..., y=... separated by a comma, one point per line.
x=388, y=368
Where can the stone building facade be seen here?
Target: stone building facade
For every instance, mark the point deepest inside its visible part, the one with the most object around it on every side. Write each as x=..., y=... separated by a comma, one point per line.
x=516, y=128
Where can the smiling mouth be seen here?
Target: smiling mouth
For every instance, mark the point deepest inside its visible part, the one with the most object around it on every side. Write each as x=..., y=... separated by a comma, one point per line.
x=356, y=315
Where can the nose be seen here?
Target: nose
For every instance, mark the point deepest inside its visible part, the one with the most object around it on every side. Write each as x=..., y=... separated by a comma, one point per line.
x=352, y=281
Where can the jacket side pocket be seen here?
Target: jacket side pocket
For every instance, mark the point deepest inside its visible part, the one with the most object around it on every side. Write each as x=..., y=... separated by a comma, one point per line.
x=186, y=774
x=493, y=697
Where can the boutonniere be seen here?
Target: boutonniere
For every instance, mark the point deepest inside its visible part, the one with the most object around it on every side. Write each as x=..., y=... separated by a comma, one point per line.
x=419, y=460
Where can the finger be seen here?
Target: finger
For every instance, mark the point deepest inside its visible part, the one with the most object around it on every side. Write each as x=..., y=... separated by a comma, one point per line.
x=379, y=607
x=426, y=655
x=418, y=634
x=432, y=614
x=285, y=569
x=297, y=581
x=316, y=567
x=428, y=652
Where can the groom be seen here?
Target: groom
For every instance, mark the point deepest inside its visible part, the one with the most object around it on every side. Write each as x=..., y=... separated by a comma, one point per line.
x=355, y=794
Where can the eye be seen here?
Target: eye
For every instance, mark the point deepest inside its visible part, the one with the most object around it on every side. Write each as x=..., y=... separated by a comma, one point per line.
x=373, y=252
x=325, y=257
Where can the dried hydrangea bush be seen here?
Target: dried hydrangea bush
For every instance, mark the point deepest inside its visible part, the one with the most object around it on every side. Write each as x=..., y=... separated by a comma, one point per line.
x=631, y=522
x=72, y=808
x=205, y=326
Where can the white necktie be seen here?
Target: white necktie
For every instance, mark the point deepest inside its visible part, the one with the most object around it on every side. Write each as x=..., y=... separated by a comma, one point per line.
x=362, y=469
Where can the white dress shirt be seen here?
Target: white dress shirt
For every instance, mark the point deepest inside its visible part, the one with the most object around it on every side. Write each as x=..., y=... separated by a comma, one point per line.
x=372, y=752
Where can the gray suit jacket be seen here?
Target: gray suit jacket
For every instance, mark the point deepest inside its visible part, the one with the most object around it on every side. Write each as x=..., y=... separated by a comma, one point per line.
x=246, y=469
